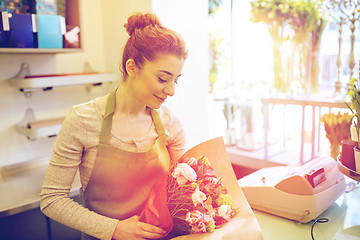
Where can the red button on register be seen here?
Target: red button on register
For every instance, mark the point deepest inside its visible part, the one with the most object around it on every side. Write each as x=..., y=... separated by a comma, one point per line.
x=315, y=177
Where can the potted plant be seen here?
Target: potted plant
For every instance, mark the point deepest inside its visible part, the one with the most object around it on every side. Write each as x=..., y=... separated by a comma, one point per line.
x=300, y=23
x=337, y=128
x=353, y=102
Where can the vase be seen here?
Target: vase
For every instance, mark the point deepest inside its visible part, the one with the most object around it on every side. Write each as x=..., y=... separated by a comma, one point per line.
x=357, y=159
x=347, y=154
x=334, y=150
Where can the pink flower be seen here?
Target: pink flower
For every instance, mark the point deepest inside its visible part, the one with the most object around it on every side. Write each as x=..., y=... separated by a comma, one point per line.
x=208, y=184
x=199, y=222
x=183, y=173
x=209, y=171
x=193, y=217
x=198, y=197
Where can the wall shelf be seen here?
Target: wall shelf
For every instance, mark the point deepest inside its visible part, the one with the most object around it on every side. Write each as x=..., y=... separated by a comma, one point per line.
x=33, y=129
x=39, y=50
x=48, y=82
x=45, y=83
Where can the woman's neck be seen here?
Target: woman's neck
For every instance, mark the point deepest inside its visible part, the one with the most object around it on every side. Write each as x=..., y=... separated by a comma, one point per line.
x=128, y=112
x=126, y=102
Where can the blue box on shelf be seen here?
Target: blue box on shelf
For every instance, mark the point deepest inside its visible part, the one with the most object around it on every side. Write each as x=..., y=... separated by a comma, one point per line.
x=17, y=30
x=50, y=31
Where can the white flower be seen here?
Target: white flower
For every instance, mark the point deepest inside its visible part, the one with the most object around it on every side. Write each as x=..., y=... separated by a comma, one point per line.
x=183, y=173
x=225, y=212
x=198, y=197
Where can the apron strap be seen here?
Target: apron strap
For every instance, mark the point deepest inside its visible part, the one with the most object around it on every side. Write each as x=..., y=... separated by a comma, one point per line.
x=109, y=112
x=107, y=121
x=157, y=122
x=158, y=127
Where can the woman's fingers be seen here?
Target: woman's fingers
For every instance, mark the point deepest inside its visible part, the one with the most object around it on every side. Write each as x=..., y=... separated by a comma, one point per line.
x=151, y=231
x=132, y=228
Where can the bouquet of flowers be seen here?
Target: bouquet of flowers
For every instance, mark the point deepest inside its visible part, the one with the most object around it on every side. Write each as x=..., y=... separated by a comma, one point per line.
x=201, y=195
x=198, y=201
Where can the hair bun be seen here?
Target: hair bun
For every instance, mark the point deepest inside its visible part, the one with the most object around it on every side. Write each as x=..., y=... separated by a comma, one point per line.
x=139, y=21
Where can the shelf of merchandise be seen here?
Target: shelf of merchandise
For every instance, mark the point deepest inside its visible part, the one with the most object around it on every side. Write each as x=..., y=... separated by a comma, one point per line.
x=72, y=18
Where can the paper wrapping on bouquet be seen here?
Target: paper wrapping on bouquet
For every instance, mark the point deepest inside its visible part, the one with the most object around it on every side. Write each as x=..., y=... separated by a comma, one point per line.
x=244, y=224
x=155, y=210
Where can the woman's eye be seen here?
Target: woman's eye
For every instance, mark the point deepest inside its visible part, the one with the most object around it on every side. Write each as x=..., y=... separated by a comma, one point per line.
x=161, y=80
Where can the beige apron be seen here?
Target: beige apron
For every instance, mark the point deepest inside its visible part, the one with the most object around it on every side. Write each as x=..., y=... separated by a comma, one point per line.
x=121, y=181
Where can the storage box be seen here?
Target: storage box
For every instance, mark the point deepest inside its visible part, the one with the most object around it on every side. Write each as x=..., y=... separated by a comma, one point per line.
x=50, y=31
x=17, y=30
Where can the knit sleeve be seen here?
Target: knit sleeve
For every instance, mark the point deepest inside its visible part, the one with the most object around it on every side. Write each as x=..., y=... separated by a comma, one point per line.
x=64, y=164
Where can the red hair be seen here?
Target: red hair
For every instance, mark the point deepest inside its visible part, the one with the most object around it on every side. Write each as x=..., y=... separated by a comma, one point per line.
x=148, y=38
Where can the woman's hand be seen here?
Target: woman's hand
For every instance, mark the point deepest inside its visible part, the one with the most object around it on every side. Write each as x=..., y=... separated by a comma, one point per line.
x=132, y=228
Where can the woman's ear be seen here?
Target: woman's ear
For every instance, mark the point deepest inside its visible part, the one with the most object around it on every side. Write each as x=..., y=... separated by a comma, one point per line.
x=131, y=67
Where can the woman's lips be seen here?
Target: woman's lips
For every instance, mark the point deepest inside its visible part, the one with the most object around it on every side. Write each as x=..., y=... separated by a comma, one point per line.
x=160, y=99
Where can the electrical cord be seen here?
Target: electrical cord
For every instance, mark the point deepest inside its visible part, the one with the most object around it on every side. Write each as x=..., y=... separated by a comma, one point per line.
x=319, y=220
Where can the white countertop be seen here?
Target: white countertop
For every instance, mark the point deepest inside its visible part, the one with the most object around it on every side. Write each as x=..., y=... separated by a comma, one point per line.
x=343, y=224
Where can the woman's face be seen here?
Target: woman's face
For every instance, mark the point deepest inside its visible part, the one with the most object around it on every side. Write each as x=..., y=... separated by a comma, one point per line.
x=156, y=80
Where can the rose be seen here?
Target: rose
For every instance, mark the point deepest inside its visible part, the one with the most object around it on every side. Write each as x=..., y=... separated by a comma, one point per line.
x=184, y=173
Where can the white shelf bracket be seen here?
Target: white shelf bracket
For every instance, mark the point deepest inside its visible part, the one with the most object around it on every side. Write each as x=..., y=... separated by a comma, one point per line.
x=22, y=126
x=24, y=71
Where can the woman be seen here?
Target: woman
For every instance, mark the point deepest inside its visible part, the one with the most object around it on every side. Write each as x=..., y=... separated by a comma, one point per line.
x=120, y=143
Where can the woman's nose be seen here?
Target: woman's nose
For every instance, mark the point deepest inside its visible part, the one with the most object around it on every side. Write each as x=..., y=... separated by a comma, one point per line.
x=170, y=89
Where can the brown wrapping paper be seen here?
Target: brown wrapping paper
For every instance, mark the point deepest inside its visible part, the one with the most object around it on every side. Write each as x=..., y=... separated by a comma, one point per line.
x=242, y=226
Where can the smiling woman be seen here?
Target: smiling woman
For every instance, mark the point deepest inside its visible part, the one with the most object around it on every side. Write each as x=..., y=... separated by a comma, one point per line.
x=111, y=138
x=155, y=79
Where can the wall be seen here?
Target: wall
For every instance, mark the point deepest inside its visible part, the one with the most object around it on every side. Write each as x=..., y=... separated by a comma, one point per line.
x=114, y=16
x=190, y=102
x=103, y=38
